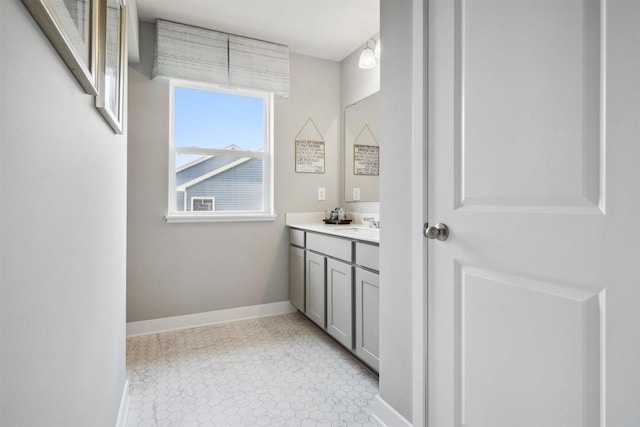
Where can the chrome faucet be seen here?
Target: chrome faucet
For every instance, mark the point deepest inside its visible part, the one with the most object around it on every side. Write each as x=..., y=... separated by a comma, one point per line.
x=372, y=222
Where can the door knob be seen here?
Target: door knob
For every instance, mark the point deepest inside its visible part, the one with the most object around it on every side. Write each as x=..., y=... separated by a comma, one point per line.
x=439, y=231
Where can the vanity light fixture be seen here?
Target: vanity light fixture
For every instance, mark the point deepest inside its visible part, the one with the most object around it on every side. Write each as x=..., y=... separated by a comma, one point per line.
x=376, y=50
x=367, y=57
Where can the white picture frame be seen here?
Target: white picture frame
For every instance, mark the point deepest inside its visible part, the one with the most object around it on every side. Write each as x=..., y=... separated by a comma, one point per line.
x=112, y=62
x=72, y=28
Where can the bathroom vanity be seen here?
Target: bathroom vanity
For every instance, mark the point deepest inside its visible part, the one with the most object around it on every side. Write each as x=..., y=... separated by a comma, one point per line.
x=333, y=280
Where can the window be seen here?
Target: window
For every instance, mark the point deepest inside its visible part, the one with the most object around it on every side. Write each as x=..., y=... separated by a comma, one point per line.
x=206, y=204
x=221, y=156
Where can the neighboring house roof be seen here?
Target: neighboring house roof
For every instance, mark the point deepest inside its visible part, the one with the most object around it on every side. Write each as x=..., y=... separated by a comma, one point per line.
x=186, y=166
x=193, y=163
x=214, y=172
x=217, y=171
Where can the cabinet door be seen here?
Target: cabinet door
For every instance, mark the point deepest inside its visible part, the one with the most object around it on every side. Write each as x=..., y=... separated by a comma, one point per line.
x=367, y=317
x=315, y=287
x=340, y=302
x=296, y=277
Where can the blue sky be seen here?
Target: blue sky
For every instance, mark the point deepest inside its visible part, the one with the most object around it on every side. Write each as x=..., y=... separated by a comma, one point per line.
x=215, y=120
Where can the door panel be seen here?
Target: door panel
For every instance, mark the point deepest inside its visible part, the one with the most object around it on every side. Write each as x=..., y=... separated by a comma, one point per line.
x=537, y=64
x=340, y=302
x=368, y=317
x=552, y=329
x=315, y=288
x=533, y=301
x=296, y=277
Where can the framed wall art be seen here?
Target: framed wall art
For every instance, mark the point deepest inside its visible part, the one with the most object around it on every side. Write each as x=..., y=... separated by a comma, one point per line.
x=366, y=160
x=72, y=28
x=309, y=156
x=309, y=149
x=112, y=62
x=366, y=153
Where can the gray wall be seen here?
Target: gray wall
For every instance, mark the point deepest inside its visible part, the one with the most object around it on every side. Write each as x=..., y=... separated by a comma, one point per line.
x=178, y=269
x=62, y=240
x=396, y=206
x=357, y=84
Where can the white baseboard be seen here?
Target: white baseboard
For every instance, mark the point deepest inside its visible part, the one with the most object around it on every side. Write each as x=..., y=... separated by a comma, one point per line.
x=124, y=406
x=165, y=324
x=386, y=416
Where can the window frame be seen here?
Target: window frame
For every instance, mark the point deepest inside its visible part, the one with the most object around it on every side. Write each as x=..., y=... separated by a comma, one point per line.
x=267, y=156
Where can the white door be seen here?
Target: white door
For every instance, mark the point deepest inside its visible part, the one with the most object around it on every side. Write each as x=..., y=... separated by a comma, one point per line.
x=533, y=163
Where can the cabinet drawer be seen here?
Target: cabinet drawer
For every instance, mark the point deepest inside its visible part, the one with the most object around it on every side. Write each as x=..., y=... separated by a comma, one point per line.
x=367, y=256
x=332, y=246
x=296, y=237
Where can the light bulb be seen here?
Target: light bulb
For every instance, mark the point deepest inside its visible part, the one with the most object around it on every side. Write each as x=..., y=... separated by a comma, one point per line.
x=367, y=59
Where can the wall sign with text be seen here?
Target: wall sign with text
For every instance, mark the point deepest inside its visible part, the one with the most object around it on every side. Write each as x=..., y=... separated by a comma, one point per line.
x=366, y=160
x=309, y=156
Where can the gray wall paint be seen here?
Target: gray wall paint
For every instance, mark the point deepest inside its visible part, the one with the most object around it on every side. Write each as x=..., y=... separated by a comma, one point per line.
x=395, y=206
x=178, y=269
x=62, y=240
x=357, y=84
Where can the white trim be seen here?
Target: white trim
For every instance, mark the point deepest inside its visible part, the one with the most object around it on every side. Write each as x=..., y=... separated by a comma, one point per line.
x=171, y=167
x=123, y=412
x=385, y=415
x=221, y=152
x=165, y=324
x=419, y=214
x=266, y=153
x=268, y=165
x=198, y=216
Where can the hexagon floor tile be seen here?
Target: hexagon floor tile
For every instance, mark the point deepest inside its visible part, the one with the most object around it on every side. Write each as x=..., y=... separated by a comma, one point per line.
x=271, y=371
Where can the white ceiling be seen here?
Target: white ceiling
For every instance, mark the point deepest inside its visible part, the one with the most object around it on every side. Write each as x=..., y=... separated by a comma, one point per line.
x=329, y=29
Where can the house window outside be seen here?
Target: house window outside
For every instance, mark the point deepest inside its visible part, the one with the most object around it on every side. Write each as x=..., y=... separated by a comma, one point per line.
x=221, y=155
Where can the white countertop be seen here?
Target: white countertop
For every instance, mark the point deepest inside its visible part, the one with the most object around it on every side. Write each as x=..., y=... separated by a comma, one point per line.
x=313, y=222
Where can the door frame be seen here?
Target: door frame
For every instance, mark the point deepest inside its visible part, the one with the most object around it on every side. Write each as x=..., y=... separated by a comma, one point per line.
x=419, y=211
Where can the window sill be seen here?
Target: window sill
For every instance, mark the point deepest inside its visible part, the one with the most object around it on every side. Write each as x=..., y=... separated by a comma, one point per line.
x=175, y=218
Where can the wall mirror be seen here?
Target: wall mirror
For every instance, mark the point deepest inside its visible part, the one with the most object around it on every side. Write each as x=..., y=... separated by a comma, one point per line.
x=362, y=150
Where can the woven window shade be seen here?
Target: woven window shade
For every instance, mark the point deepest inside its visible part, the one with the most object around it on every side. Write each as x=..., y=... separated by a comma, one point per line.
x=255, y=64
x=197, y=54
x=190, y=53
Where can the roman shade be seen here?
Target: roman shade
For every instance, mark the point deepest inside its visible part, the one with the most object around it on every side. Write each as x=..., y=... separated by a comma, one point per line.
x=190, y=53
x=201, y=55
x=256, y=64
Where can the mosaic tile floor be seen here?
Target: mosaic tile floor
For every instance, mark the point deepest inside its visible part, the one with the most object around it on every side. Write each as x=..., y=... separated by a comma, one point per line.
x=272, y=371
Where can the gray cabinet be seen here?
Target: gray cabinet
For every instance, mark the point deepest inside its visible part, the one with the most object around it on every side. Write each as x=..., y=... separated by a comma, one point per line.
x=367, y=306
x=315, y=288
x=296, y=277
x=334, y=282
x=340, y=302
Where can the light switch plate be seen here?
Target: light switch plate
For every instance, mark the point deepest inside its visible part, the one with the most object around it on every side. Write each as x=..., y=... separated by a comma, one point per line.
x=356, y=193
x=322, y=193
